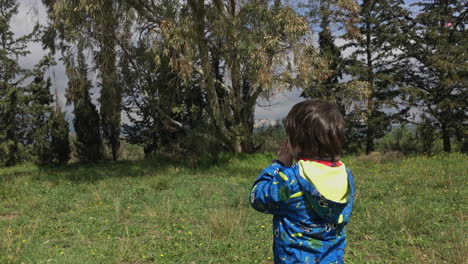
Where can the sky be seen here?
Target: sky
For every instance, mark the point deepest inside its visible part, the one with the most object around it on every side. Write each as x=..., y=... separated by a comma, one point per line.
x=32, y=11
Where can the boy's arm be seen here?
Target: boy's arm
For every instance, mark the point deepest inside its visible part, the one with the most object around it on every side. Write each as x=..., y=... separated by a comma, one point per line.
x=270, y=192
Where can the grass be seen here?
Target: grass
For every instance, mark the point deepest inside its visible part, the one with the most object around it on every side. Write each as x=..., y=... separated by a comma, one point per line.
x=155, y=211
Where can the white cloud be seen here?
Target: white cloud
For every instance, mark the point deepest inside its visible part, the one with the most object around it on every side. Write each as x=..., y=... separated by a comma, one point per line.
x=278, y=106
x=29, y=13
x=340, y=42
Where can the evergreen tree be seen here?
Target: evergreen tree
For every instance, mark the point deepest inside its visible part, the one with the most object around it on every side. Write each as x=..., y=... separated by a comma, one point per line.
x=96, y=23
x=12, y=77
x=374, y=61
x=328, y=87
x=35, y=119
x=86, y=122
x=152, y=91
x=425, y=134
x=435, y=42
x=39, y=111
x=59, y=132
x=111, y=91
x=48, y=130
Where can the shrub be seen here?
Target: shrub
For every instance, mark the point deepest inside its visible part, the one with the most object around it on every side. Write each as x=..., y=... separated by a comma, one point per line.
x=269, y=137
x=425, y=135
x=400, y=139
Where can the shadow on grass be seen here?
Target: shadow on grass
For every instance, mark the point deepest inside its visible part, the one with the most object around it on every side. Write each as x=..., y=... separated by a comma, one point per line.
x=156, y=165
x=77, y=172
x=10, y=173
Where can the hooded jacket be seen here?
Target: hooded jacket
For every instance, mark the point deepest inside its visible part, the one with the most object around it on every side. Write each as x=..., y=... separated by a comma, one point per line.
x=311, y=203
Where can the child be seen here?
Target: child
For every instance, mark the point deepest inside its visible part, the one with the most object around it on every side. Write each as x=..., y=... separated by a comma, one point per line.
x=311, y=200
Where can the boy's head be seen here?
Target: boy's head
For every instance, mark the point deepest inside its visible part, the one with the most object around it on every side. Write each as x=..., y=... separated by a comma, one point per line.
x=316, y=128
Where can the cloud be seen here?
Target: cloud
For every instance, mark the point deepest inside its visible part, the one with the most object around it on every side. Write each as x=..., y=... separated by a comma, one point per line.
x=278, y=106
x=30, y=12
x=339, y=42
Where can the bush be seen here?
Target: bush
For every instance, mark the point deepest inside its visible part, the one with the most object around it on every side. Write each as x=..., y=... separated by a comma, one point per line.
x=200, y=145
x=425, y=135
x=373, y=157
x=60, y=141
x=269, y=138
x=400, y=139
x=129, y=151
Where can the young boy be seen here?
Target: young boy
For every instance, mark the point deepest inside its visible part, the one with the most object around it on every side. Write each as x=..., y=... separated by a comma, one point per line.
x=311, y=200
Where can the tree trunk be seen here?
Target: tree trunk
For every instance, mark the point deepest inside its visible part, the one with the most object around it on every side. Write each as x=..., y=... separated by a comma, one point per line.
x=247, y=137
x=11, y=133
x=111, y=94
x=249, y=98
x=207, y=83
x=446, y=138
x=370, y=102
x=369, y=140
x=464, y=146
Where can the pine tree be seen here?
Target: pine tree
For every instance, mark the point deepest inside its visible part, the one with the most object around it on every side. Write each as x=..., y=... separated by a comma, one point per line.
x=97, y=24
x=48, y=129
x=111, y=91
x=39, y=110
x=435, y=42
x=86, y=121
x=59, y=135
x=374, y=61
x=328, y=87
x=44, y=128
x=12, y=77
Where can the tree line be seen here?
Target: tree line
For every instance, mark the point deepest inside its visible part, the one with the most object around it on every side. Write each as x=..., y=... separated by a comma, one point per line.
x=189, y=73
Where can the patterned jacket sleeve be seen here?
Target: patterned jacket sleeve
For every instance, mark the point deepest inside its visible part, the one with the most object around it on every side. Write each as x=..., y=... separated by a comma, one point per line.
x=270, y=192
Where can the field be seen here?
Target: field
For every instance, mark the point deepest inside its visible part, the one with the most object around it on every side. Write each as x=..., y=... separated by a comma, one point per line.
x=159, y=211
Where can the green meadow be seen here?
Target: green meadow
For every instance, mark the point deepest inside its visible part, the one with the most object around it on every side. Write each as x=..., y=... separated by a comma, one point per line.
x=412, y=210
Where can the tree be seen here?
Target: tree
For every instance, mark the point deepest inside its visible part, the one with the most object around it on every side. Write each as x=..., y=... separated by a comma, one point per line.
x=95, y=23
x=253, y=36
x=12, y=86
x=152, y=91
x=59, y=131
x=86, y=121
x=236, y=49
x=38, y=112
x=435, y=42
x=425, y=134
x=374, y=60
x=49, y=132
x=111, y=91
x=327, y=87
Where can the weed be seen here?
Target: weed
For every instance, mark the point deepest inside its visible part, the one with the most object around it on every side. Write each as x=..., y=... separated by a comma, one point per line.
x=225, y=221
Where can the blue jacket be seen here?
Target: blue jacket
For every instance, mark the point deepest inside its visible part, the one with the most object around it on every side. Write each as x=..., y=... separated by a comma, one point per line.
x=308, y=227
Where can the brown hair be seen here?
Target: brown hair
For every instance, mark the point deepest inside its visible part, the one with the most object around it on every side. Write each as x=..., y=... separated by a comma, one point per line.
x=317, y=128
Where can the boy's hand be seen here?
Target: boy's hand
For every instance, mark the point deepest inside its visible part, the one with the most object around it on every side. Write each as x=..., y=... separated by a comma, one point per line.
x=284, y=154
